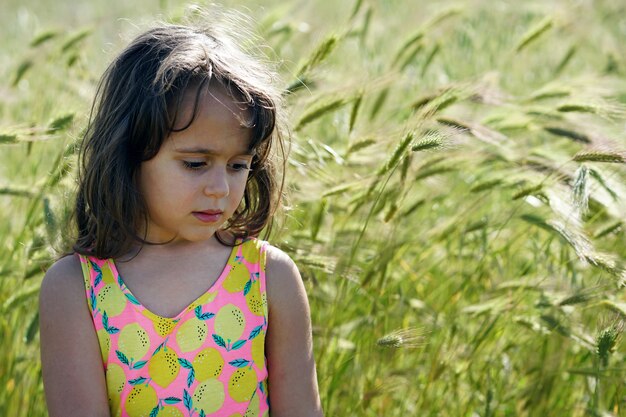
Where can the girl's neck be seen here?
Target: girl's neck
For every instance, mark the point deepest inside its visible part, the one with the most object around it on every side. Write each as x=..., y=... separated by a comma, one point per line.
x=173, y=251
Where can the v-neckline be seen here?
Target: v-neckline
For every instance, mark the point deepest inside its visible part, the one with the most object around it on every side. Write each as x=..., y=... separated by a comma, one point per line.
x=137, y=304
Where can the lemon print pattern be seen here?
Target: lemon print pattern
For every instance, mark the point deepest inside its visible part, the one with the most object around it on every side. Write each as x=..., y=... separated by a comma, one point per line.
x=258, y=351
x=209, y=395
x=107, y=276
x=255, y=300
x=141, y=401
x=209, y=359
x=237, y=279
x=191, y=334
x=230, y=322
x=111, y=300
x=164, y=367
x=133, y=341
x=253, y=408
x=105, y=343
x=208, y=364
x=242, y=384
x=116, y=380
x=162, y=325
x=170, y=411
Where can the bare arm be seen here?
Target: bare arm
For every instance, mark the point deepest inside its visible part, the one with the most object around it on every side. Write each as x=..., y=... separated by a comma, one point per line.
x=292, y=377
x=73, y=375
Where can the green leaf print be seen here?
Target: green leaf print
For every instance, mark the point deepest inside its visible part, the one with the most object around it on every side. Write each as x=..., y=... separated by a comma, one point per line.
x=139, y=364
x=200, y=315
x=155, y=411
x=187, y=400
x=240, y=363
x=191, y=377
x=246, y=289
x=185, y=363
x=202, y=413
x=172, y=400
x=137, y=381
x=192, y=373
x=122, y=357
x=219, y=340
x=159, y=347
x=98, y=272
x=105, y=324
x=94, y=300
x=95, y=267
x=255, y=332
x=112, y=330
x=132, y=298
x=238, y=344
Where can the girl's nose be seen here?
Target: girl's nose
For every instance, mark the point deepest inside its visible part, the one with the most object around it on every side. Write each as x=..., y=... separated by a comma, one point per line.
x=217, y=183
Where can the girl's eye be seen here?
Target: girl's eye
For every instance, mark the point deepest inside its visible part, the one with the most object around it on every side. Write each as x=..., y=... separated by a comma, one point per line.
x=239, y=166
x=194, y=165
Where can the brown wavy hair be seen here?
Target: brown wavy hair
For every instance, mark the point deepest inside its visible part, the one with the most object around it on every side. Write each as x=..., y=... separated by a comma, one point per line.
x=134, y=111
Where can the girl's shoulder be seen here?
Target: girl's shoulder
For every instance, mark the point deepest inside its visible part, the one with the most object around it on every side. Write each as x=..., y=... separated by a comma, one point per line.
x=62, y=290
x=64, y=275
x=277, y=259
x=66, y=331
x=285, y=289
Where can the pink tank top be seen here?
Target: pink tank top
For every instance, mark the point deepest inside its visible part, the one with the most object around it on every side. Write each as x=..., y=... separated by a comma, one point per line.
x=209, y=360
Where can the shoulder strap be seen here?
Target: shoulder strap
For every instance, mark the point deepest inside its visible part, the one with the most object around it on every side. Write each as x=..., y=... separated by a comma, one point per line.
x=87, y=279
x=254, y=252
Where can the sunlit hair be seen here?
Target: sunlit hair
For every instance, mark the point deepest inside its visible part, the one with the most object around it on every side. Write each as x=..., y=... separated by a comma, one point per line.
x=136, y=108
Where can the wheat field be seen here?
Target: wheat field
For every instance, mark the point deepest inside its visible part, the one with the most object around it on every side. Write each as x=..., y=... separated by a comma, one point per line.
x=456, y=192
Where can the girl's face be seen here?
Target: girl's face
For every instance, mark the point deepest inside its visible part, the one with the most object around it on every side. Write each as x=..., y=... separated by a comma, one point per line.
x=197, y=179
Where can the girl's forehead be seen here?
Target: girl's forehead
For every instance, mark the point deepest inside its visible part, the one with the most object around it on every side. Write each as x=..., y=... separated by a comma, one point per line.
x=201, y=101
x=211, y=120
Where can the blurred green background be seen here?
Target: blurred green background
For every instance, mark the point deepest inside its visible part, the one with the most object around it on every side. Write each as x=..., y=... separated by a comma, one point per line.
x=456, y=192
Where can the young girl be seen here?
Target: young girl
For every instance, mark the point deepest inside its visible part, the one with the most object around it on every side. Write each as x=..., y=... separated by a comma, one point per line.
x=170, y=305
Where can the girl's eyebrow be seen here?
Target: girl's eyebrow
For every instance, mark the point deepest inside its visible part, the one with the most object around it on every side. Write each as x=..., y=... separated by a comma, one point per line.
x=207, y=151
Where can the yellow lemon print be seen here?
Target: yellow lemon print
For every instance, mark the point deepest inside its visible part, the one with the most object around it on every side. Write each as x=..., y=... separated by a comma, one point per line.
x=242, y=384
x=112, y=300
x=104, y=340
x=255, y=300
x=162, y=325
x=164, y=367
x=107, y=274
x=258, y=351
x=191, y=334
x=251, y=253
x=141, y=401
x=115, y=384
x=253, y=407
x=170, y=411
x=229, y=323
x=237, y=278
x=209, y=396
x=133, y=342
x=208, y=363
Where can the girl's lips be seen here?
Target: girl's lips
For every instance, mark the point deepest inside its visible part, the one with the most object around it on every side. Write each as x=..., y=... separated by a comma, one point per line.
x=209, y=216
